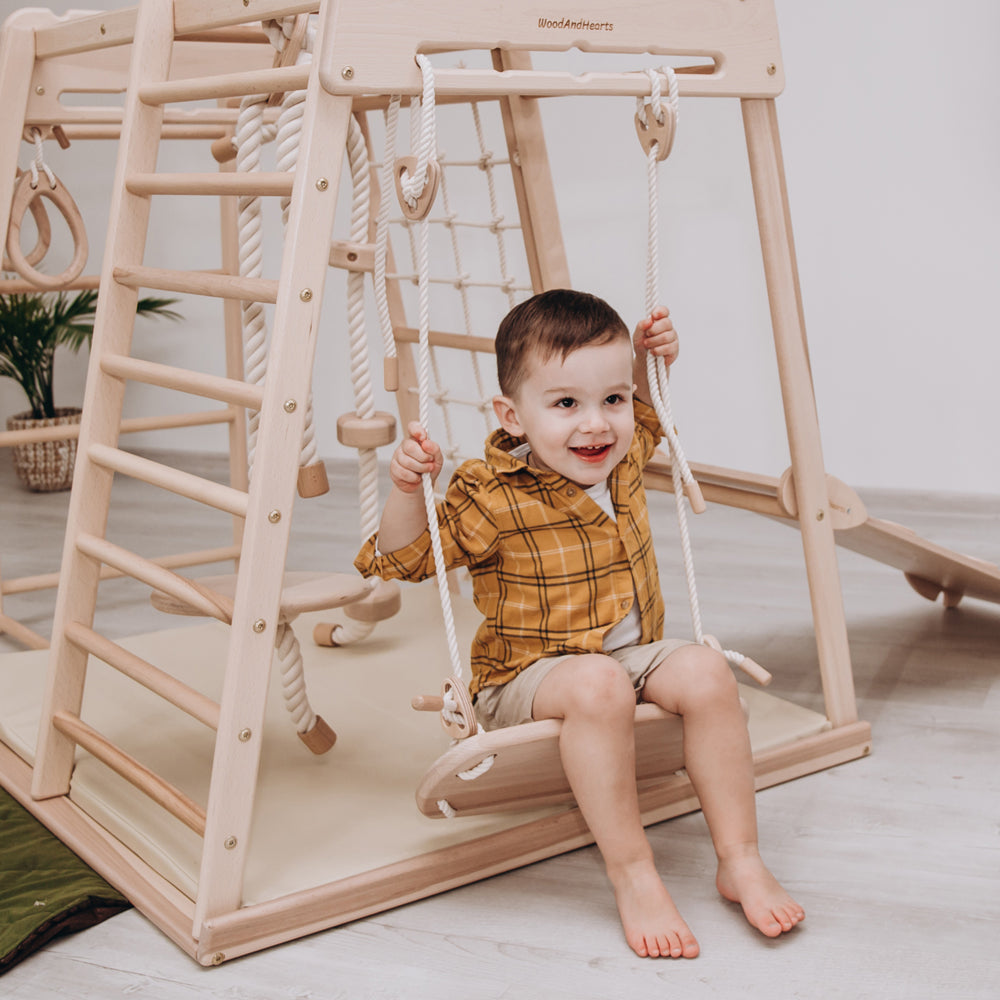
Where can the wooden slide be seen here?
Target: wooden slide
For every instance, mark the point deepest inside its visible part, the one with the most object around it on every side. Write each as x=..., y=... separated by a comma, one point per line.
x=929, y=568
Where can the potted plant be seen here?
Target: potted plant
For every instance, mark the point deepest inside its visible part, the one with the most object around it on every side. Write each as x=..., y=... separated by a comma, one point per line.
x=32, y=327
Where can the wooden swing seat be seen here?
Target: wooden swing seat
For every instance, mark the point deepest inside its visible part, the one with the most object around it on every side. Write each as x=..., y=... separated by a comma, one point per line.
x=527, y=772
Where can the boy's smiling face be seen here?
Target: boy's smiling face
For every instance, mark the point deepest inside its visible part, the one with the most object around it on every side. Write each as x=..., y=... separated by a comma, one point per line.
x=575, y=412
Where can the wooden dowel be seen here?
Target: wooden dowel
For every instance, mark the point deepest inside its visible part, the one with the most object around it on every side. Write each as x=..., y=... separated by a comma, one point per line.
x=21, y=633
x=183, y=484
x=197, y=383
x=264, y=184
x=130, y=425
x=409, y=335
x=221, y=286
x=156, y=577
x=18, y=286
x=148, y=782
x=200, y=557
x=197, y=705
x=262, y=81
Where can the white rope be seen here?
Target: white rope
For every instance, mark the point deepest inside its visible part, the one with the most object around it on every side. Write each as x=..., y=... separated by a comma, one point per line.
x=248, y=139
x=386, y=184
x=352, y=630
x=412, y=189
x=656, y=369
x=293, y=683
x=38, y=162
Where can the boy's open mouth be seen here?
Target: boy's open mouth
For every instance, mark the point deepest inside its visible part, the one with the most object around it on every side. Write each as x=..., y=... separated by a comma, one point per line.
x=592, y=453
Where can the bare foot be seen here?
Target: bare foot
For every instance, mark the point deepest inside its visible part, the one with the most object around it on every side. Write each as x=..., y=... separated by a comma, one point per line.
x=653, y=926
x=745, y=880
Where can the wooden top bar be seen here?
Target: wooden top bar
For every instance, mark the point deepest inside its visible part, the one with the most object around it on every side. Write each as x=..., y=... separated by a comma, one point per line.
x=370, y=48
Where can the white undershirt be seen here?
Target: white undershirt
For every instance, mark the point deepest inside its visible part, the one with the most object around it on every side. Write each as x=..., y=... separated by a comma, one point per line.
x=629, y=630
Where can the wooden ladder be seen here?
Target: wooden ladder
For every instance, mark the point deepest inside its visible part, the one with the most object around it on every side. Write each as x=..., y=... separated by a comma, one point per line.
x=255, y=610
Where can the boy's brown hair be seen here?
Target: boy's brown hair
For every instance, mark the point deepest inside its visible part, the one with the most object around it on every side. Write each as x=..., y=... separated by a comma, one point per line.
x=559, y=321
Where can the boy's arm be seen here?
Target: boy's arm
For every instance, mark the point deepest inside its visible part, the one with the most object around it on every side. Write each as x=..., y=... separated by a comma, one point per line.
x=404, y=517
x=655, y=333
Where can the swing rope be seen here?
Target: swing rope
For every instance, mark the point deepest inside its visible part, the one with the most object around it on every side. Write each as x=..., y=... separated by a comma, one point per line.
x=661, y=127
x=414, y=185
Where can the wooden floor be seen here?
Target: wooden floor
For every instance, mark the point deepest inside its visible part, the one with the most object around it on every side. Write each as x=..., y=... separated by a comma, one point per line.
x=896, y=857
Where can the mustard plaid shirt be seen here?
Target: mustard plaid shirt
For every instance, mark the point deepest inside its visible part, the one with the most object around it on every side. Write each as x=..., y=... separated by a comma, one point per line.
x=552, y=573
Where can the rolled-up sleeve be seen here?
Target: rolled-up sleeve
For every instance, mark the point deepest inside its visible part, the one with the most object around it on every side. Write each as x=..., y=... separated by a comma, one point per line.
x=468, y=532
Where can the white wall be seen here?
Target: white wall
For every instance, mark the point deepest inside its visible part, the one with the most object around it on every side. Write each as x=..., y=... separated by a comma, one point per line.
x=892, y=148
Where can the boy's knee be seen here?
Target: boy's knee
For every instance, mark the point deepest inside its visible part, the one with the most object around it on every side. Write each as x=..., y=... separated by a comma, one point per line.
x=706, y=674
x=601, y=686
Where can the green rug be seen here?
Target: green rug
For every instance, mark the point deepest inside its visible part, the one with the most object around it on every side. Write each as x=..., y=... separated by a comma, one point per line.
x=45, y=889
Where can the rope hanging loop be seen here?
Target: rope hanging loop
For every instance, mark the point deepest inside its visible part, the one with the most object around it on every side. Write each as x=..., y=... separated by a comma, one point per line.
x=656, y=121
x=653, y=131
x=416, y=208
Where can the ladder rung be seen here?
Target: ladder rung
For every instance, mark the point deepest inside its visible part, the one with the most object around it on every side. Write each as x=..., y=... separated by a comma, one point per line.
x=209, y=604
x=225, y=390
x=46, y=581
x=182, y=483
x=221, y=286
x=212, y=183
x=150, y=677
x=462, y=341
x=148, y=782
x=261, y=81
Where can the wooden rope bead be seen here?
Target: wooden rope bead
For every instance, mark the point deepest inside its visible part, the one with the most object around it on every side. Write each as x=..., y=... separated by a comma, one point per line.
x=366, y=432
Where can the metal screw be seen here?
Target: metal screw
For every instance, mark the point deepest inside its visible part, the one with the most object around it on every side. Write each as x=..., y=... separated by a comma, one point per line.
x=771, y=69
x=229, y=843
x=259, y=625
x=289, y=405
x=218, y=958
x=820, y=515
x=39, y=90
x=274, y=516
x=352, y=256
x=103, y=30
x=322, y=184
x=306, y=294
x=244, y=735
x=347, y=72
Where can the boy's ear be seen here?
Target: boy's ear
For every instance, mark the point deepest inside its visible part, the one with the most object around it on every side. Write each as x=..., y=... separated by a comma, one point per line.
x=503, y=407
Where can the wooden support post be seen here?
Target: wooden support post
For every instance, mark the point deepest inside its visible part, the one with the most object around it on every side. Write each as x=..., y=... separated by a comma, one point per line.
x=774, y=223
x=282, y=416
x=102, y=407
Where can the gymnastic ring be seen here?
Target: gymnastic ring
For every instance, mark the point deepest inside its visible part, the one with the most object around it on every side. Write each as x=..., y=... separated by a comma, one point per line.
x=24, y=196
x=43, y=227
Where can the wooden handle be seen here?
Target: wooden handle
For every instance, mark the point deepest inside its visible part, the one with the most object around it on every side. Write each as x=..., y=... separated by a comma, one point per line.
x=693, y=492
x=427, y=703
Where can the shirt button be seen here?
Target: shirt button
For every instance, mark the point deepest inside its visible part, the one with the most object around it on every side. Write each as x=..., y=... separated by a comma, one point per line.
x=571, y=491
x=626, y=605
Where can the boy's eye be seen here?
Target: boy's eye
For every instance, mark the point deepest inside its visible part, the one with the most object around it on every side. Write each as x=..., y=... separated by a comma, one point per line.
x=615, y=398
x=566, y=402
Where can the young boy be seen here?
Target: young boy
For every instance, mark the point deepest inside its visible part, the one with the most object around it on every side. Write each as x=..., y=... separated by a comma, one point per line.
x=554, y=529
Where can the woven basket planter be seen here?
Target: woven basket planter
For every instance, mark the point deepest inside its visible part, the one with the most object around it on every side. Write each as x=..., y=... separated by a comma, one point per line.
x=45, y=466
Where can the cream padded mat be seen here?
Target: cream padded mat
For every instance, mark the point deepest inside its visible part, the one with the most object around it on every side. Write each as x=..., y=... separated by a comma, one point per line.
x=316, y=819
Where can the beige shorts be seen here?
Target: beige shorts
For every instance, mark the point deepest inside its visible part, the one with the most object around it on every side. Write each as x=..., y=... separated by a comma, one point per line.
x=510, y=704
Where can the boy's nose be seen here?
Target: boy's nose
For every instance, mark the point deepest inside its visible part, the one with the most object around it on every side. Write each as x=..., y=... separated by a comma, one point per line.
x=594, y=422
